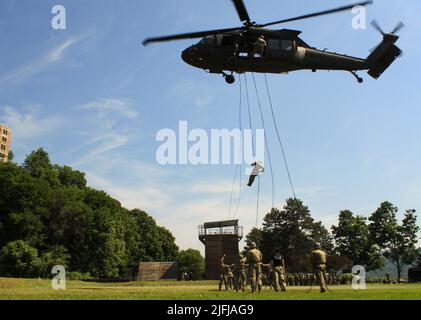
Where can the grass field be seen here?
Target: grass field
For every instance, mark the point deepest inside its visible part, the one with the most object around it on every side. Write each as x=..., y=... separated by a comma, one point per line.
x=23, y=289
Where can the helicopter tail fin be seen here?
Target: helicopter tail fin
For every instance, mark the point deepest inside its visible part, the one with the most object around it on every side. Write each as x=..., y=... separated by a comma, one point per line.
x=383, y=56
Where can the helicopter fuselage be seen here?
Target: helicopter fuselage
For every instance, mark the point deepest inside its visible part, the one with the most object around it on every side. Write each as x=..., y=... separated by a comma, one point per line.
x=284, y=52
x=255, y=48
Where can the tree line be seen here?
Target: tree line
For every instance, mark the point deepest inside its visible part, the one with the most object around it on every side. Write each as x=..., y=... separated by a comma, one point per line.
x=356, y=240
x=49, y=216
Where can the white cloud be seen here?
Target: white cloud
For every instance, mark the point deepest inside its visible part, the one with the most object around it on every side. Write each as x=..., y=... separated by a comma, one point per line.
x=311, y=191
x=120, y=106
x=55, y=55
x=102, y=131
x=146, y=197
x=170, y=201
x=28, y=124
x=103, y=146
x=214, y=187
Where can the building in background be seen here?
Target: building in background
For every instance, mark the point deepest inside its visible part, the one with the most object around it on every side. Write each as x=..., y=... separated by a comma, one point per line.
x=156, y=271
x=220, y=238
x=5, y=139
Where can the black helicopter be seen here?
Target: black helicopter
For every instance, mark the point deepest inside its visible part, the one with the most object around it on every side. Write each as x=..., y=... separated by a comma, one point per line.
x=234, y=49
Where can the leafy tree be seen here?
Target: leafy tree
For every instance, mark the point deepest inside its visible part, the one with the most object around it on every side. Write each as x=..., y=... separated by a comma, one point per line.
x=23, y=205
x=169, y=248
x=288, y=229
x=19, y=259
x=61, y=221
x=294, y=232
x=418, y=262
x=255, y=235
x=108, y=235
x=57, y=255
x=70, y=177
x=398, y=241
x=148, y=244
x=191, y=261
x=38, y=165
x=352, y=237
x=321, y=235
x=10, y=156
x=383, y=224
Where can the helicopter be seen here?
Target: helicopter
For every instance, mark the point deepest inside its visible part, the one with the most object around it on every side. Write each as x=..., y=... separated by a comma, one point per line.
x=237, y=50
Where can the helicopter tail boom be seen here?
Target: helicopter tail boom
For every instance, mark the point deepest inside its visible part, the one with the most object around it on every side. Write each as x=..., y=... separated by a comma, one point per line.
x=382, y=58
x=386, y=52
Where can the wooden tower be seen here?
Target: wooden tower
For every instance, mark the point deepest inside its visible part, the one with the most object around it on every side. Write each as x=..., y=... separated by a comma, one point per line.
x=219, y=238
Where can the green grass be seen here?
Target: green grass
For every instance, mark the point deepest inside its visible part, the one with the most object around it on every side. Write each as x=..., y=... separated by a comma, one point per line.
x=24, y=289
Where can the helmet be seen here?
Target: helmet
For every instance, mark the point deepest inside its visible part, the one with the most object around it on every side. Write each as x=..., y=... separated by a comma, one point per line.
x=253, y=245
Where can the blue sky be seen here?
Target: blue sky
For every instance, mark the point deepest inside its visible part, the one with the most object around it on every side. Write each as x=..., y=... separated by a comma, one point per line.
x=95, y=98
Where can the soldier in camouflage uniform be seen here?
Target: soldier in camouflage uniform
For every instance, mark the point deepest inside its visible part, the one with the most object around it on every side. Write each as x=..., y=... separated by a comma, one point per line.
x=230, y=277
x=318, y=258
x=254, y=259
x=278, y=271
x=224, y=272
x=266, y=275
x=240, y=277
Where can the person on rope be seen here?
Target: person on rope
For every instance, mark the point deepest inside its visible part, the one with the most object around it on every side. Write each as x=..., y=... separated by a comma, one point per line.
x=257, y=170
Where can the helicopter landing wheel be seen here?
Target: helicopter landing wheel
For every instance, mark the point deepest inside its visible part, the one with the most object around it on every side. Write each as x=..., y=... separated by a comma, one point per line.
x=359, y=79
x=229, y=78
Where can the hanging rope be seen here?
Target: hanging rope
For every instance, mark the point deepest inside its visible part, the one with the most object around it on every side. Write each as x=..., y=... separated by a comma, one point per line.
x=239, y=166
x=266, y=141
x=253, y=148
x=258, y=196
x=248, y=107
x=232, y=191
x=279, y=139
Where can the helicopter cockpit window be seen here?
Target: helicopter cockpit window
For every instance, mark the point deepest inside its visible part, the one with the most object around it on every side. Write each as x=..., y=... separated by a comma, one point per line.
x=208, y=40
x=285, y=45
x=273, y=44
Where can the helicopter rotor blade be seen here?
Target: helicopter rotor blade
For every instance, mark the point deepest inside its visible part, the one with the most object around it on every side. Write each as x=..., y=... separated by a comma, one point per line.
x=192, y=35
x=398, y=28
x=317, y=14
x=241, y=10
x=376, y=26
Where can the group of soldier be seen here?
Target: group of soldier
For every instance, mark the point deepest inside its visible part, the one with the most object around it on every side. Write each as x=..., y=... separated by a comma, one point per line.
x=309, y=279
x=250, y=270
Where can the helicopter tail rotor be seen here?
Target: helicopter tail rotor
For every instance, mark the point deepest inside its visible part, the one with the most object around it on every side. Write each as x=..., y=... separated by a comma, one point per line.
x=386, y=52
x=398, y=28
x=376, y=26
x=391, y=36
